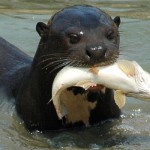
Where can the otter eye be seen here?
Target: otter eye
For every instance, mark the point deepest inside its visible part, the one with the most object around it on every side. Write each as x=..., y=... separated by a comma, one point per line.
x=110, y=35
x=74, y=38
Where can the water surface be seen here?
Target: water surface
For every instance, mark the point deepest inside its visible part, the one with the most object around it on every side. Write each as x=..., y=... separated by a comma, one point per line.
x=18, y=19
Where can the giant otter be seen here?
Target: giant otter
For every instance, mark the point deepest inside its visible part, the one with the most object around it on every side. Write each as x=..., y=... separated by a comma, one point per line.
x=78, y=36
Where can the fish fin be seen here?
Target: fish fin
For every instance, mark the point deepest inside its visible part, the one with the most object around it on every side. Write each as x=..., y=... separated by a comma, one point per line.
x=85, y=84
x=59, y=107
x=94, y=70
x=120, y=98
x=50, y=101
x=127, y=67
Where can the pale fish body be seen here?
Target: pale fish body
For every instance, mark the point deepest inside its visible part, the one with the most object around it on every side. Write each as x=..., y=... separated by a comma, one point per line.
x=125, y=77
x=67, y=77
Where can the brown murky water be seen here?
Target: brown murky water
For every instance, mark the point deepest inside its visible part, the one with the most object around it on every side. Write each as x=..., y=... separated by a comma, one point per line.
x=18, y=19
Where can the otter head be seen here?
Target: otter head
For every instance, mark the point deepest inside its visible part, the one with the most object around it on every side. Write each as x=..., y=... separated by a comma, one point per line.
x=80, y=36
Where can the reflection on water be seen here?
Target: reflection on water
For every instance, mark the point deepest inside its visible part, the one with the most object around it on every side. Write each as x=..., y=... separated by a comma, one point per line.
x=126, y=8
x=132, y=131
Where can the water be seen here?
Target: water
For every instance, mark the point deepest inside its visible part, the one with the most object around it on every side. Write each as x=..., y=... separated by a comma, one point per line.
x=18, y=19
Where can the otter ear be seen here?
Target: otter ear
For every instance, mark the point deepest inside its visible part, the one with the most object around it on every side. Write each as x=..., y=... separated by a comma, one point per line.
x=41, y=28
x=117, y=21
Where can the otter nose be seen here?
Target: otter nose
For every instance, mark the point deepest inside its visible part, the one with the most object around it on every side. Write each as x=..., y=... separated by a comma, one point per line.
x=96, y=52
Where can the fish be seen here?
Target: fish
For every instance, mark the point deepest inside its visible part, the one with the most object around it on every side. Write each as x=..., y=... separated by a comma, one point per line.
x=126, y=78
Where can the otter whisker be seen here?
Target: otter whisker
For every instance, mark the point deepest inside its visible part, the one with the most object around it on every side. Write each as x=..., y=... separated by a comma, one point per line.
x=51, y=59
x=120, y=31
x=80, y=63
x=123, y=46
x=60, y=66
x=46, y=60
x=122, y=54
x=55, y=63
x=75, y=63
